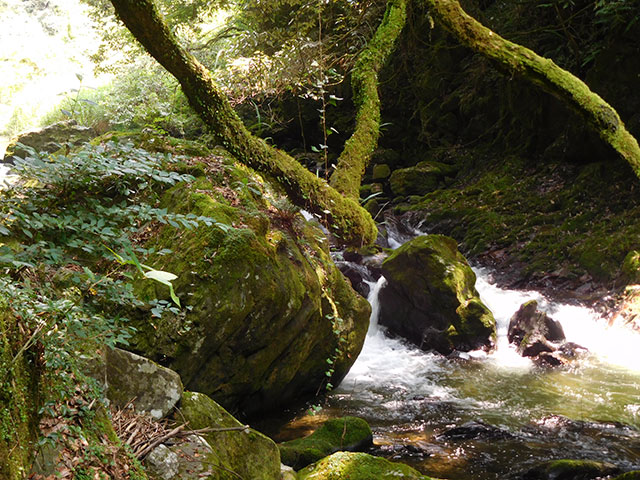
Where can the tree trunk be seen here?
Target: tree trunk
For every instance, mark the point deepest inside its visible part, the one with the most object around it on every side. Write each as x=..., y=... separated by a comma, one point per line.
x=343, y=216
x=597, y=113
x=355, y=157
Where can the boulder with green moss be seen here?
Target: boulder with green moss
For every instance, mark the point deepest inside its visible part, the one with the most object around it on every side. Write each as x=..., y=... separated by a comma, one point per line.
x=236, y=451
x=421, y=179
x=337, y=434
x=570, y=470
x=358, y=466
x=264, y=305
x=430, y=297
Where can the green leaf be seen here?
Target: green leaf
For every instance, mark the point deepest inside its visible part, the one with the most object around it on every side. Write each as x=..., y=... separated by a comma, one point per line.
x=161, y=276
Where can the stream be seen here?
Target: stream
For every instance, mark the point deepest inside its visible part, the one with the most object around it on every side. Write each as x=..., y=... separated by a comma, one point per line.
x=419, y=404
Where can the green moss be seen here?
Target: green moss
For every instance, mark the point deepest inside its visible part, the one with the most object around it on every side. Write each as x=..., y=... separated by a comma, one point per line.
x=572, y=470
x=358, y=466
x=635, y=475
x=347, y=433
x=19, y=398
x=248, y=453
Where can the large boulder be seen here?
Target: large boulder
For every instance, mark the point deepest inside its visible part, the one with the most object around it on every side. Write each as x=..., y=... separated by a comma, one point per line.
x=358, y=466
x=265, y=307
x=236, y=450
x=346, y=434
x=49, y=139
x=430, y=297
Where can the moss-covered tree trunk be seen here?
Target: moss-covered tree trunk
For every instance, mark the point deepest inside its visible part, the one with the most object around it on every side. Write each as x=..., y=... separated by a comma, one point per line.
x=355, y=157
x=343, y=216
x=518, y=60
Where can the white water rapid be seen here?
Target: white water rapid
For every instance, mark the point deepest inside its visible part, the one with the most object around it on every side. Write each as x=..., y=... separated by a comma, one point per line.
x=590, y=409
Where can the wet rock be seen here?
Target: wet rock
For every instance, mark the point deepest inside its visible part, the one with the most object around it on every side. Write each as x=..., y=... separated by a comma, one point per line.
x=48, y=139
x=430, y=298
x=358, y=275
x=475, y=429
x=530, y=324
x=358, y=466
x=246, y=452
x=347, y=433
x=570, y=470
x=540, y=337
x=397, y=452
x=151, y=388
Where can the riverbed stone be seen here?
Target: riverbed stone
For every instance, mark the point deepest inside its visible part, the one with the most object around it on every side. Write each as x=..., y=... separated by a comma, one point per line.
x=358, y=466
x=634, y=475
x=234, y=446
x=570, y=470
x=337, y=434
x=265, y=306
x=151, y=388
x=431, y=300
x=48, y=139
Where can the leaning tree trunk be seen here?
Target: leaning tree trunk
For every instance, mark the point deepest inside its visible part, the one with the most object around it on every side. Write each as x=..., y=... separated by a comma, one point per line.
x=597, y=113
x=343, y=216
x=357, y=151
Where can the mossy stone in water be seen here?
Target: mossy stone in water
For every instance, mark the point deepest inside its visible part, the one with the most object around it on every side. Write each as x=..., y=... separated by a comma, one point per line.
x=430, y=297
x=347, y=433
x=570, y=470
x=358, y=466
x=246, y=452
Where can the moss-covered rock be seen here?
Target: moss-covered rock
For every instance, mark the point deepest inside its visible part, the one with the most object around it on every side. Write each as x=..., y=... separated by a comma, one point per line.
x=244, y=451
x=634, y=475
x=570, y=470
x=358, y=466
x=265, y=305
x=421, y=179
x=347, y=433
x=381, y=171
x=430, y=297
x=153, y=389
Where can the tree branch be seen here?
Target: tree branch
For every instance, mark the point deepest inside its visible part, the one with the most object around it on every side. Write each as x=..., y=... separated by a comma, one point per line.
x=540, y=71
x=356, y=155
x=343, y=216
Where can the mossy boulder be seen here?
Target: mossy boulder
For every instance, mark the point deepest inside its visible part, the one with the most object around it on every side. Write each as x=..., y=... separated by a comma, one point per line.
x=337, y=434
x=358, y=466
x=153, y=389
x=430, y=297
x=421, y=179
x=243, y=451
x=570, y=470
x=49, y=139
x=264, y=305
x=631, y=267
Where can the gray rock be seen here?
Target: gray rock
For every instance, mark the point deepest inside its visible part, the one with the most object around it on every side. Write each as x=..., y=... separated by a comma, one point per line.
x=162, y=463
x=154, y=389
x=48, y=139
x=186, y=460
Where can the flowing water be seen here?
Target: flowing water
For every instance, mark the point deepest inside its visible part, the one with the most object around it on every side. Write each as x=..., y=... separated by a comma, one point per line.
x=523, y=414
